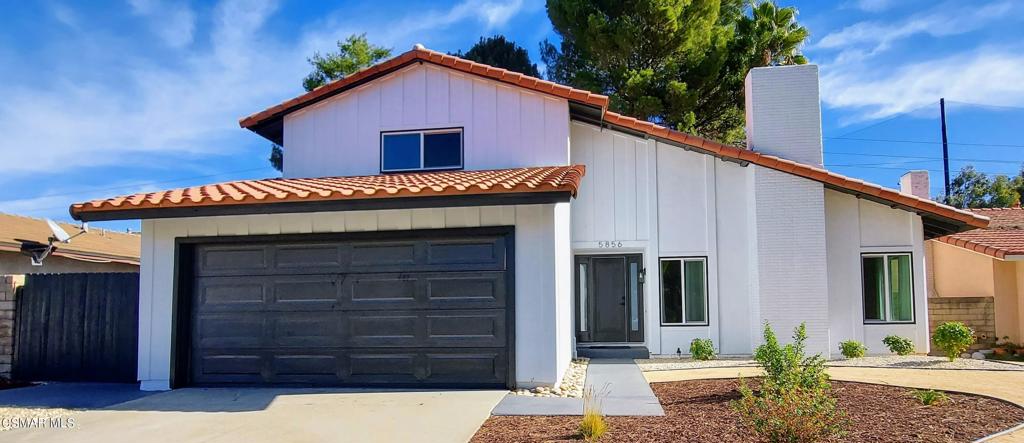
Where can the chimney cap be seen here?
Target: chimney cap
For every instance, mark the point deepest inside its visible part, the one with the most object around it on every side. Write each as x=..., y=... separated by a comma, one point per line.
x=419, y=46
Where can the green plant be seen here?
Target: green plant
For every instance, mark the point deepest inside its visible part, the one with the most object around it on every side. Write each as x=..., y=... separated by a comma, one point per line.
x=702, y=349
x=953, y=338
x=899, y=345
x=930, y=397
x=794, y=402
x=592, y=425
x=852, y=348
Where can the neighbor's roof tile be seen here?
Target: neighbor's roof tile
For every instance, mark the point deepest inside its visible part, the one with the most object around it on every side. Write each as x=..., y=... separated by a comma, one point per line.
x=97, y=245
x=1004, y=235
x=415, y=184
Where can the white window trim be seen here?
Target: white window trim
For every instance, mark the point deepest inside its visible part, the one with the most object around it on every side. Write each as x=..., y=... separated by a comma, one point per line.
x=422, y=133
x=887, y=296
x=682, y=292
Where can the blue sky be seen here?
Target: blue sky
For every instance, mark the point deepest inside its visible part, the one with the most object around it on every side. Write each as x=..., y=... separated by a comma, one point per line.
x=131, y=96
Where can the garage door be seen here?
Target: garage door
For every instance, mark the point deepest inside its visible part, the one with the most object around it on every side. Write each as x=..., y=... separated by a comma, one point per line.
x=416, y=309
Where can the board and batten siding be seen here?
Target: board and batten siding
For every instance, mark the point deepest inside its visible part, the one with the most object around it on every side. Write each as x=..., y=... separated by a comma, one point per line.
x=660, y=200
x=857, y=226
x=542, y=279
x=504, y=126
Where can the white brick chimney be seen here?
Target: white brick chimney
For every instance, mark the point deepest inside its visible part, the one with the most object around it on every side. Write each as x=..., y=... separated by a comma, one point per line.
x=916, y=183
x=784, y=119
x=784, y=112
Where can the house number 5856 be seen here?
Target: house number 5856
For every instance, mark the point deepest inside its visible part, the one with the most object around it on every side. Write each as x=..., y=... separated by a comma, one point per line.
x=609, y=244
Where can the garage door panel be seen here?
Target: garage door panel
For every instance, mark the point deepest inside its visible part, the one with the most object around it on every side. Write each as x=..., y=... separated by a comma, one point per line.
x=312, y=329
x=427, y=310
x=231, y=293
x=488, y=253
x=232, y=259
x=241, y=330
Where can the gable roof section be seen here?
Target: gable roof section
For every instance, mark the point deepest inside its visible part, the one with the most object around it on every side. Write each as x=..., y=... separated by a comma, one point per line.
x=98, y=246
x=268, y=122
x=273, y=195
x=1002, y=239
x=941, y=215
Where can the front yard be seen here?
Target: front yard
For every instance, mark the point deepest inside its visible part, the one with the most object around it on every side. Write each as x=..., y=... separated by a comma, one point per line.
x=699, y=411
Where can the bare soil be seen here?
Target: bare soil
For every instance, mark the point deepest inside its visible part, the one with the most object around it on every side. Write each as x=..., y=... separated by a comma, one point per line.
x=699, y=411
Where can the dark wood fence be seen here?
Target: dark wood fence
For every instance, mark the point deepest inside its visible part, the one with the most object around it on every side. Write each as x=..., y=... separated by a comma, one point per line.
x=77, y=327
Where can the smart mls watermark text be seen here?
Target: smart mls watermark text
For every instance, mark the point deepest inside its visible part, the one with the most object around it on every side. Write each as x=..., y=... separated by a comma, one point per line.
x=41, y=422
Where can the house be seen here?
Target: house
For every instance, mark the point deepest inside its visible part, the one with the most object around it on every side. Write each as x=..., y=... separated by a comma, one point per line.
x=94, y=251
x=978, y=276
x=446, y=223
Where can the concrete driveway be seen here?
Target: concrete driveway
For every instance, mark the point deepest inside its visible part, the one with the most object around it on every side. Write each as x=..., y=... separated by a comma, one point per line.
x=279, y=415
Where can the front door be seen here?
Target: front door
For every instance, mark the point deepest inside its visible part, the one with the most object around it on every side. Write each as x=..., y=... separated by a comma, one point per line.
x=609, y=299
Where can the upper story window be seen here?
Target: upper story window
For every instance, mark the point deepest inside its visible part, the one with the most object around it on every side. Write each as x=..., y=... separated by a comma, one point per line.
x=888, y=288
x=424, y=150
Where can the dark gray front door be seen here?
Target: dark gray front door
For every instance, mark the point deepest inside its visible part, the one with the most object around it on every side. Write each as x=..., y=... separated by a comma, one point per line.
x=414, y=309
x=609, y=299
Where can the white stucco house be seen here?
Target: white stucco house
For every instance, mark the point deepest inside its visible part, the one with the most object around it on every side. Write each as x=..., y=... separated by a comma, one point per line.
x=446, y=223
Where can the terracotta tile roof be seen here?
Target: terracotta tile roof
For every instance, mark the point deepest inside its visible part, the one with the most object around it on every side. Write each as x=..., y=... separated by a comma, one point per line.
x=416, y=184
x=807, y=171
x=97, y=245
x=428, y=56
x=1003, y=237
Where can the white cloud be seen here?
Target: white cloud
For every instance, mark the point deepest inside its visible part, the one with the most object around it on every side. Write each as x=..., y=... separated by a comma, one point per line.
x=65, y=15
x=945, y=19
x=987, y=75
x=872, y=5
x=173, y=22
x=152, y=107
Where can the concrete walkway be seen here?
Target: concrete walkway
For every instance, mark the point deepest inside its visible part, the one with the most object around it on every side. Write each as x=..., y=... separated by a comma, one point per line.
x=619, y=383
x=278, y=415
x=1004, y=385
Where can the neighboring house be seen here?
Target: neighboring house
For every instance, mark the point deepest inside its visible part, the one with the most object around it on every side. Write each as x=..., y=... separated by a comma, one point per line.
x=446, y=223
x=96, y=251
x=978, y=276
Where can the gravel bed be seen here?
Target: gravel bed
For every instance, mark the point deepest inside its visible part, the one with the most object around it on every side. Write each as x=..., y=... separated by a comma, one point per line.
x=894, y=361
x=9, y=415
x=927, y=362
x=571, y=386
x=699, y=411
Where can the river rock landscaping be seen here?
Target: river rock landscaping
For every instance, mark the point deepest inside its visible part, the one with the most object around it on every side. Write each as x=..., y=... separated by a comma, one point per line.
x=571, y=386
x=699, y=410
x=885, y=361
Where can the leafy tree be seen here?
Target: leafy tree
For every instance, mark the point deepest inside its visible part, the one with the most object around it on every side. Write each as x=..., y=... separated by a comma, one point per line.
x=973, y=189
x=502, y=53
x=680, y=63
x=354, y=53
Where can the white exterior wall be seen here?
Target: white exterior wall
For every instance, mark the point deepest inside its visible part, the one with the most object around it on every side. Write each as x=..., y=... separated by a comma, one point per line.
x=503, y=126
x=542, y=286
x=855, y=226
x=792, y=269
x=660, y=200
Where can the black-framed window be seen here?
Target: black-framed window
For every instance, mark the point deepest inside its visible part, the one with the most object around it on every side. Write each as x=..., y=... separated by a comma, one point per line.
x=888, y=283
x=422, y=150
x=684, y=291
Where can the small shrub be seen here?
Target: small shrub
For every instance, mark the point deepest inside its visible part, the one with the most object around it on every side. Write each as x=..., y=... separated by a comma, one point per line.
x=794, y=402
x=592, y=425
x=852, y=349
x=702, y=349
x=899, y=345
x=930, y=397
x=953, y=338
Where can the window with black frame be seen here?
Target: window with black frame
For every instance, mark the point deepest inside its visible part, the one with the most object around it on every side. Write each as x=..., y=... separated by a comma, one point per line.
x=426, y=150
x=684, y=292
x=888, y=282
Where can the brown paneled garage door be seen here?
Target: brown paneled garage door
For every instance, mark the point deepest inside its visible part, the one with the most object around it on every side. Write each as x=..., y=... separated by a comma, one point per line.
x=423, y=308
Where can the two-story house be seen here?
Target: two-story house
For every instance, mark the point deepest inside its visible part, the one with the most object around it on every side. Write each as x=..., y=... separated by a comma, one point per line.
x=446, y=223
